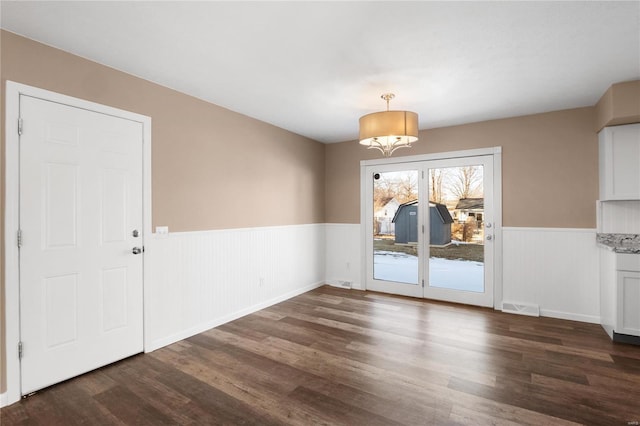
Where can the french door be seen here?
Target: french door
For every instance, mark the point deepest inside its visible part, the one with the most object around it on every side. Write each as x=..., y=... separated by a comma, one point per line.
x=429, y=229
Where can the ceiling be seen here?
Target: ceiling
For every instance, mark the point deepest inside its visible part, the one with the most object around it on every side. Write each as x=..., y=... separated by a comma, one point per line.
x=315, y=67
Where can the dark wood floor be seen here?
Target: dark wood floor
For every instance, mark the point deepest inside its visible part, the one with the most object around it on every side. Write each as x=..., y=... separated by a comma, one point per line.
x=334, y=356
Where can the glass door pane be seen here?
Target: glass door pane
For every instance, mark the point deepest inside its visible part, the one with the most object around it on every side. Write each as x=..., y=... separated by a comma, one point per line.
x=456, y=228
x=395, y=226
x=460, y=246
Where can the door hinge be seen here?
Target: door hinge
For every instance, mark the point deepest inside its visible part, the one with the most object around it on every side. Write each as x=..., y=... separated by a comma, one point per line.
x=19, y=238
x=19, y=350
x=423, y=229
x=422, y=283
x=19, y=126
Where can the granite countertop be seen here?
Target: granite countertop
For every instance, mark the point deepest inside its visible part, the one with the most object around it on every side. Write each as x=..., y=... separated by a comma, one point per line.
x=620, y=243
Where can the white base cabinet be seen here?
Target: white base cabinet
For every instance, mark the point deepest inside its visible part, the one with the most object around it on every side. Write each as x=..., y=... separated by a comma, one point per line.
x=628, y=321
x=620, y=293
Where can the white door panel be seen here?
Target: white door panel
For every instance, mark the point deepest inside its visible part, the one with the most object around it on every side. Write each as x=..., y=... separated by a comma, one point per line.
x=80, y=200
x=388, y=270
x=464, y=280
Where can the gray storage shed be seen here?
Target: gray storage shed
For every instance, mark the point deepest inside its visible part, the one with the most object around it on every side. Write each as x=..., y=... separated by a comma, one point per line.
x=440, y=221
x=406, y=222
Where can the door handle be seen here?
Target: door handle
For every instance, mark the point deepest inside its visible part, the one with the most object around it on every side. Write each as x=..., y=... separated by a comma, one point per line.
x=136, y=250
x=489, y=237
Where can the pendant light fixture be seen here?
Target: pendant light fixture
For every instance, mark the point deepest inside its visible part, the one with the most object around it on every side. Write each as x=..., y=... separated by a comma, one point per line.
x=387, y=130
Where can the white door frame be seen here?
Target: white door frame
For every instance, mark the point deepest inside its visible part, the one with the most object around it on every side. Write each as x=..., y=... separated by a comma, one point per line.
x=496, y=152
x=12, y=213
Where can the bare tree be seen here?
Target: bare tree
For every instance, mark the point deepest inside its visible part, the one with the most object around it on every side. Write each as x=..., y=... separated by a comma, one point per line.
x=383, y=189
x=466, y=182
x=403, y=187
x=435, y=185
x=407, y=188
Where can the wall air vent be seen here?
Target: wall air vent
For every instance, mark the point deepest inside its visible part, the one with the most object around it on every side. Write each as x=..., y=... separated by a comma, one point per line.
x=521, y=309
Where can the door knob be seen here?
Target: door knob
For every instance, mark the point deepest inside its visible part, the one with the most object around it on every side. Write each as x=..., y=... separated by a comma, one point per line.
x=489, y=237
x=136, y=250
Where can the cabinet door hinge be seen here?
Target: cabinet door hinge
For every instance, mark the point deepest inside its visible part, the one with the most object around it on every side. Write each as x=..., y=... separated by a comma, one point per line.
x=19, y=350
x=19, y=237
x=19, y=126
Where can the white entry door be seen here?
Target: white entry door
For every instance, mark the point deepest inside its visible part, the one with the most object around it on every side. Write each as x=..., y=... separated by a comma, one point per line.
x=80, y=219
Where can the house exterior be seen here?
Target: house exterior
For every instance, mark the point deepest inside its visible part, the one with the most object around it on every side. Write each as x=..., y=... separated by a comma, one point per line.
x=385, y=210
x=469, y=209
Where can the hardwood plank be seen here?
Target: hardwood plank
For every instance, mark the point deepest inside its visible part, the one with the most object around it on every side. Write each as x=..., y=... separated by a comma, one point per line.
x=339, y=411
x=335, y=356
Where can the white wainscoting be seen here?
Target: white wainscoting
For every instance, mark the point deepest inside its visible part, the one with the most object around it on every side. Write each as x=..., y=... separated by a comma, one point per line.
x=343, y=256
x=202, y=279
x=554, y=268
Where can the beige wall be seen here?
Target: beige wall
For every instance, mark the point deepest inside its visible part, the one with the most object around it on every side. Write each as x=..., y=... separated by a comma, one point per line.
x=550, y=167
x=212, y=168
x=619, y=105
x=208, y=162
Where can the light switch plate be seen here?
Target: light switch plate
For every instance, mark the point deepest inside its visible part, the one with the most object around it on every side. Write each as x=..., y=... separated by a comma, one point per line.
x=162, y=230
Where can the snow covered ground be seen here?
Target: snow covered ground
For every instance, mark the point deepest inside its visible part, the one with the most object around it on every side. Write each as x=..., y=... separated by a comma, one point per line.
x=454, y=274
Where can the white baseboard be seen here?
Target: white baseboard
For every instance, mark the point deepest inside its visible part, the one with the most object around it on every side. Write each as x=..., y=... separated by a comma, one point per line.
x=570, y=316
x=157, y=344
x=608, y=329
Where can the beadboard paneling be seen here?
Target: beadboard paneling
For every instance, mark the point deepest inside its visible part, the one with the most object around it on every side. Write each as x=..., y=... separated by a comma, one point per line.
x=554, y=268
x=343, y=257
x=200, y=280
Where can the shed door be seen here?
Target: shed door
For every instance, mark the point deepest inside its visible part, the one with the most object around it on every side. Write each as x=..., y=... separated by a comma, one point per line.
x=80, y=202
x=412, y=226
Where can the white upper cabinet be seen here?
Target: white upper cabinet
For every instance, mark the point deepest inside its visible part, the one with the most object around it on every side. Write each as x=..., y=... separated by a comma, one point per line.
x=620, y=162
